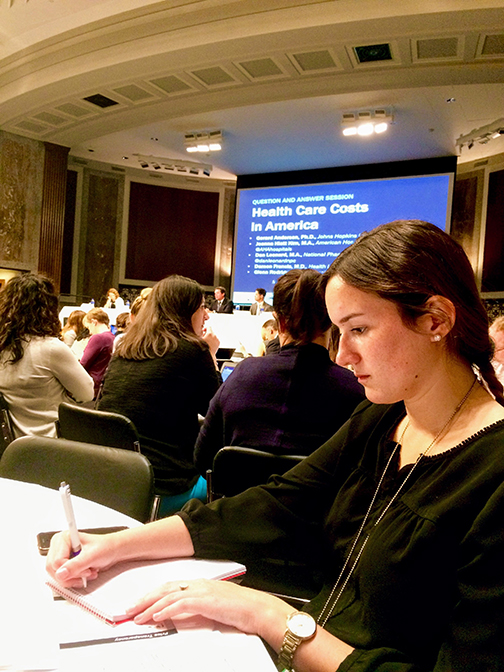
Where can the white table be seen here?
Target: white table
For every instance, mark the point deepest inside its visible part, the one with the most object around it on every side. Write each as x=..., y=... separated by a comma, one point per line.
x=240, y=328
x=86, y=307
x=29, y=626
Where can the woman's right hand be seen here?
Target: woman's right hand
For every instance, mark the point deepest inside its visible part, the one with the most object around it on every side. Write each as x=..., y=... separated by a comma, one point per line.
x=99, y=551
x=212, y=340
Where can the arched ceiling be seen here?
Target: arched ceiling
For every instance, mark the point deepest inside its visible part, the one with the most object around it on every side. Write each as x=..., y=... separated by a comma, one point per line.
x=274, y=75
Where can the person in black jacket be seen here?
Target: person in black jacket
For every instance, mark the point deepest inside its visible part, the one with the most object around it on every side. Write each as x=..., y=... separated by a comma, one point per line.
x=403, y=507
x=221, y=304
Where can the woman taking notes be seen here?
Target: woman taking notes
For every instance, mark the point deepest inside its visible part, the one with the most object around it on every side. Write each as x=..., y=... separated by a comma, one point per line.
x=405, y=504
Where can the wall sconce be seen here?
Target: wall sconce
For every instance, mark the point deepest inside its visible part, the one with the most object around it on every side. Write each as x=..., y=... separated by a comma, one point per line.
x=204, y=141
x=366, y=122
x=173, y=165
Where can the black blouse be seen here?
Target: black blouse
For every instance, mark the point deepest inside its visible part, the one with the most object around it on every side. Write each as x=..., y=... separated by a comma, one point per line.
x=428, y=590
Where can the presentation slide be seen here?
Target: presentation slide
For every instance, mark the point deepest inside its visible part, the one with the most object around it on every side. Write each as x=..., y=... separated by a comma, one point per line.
x=307, y=226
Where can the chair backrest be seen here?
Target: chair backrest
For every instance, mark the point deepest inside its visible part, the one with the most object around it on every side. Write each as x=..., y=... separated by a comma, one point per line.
x=236, y=468
x=120, y=479
x=6, y=432
x=78, y=423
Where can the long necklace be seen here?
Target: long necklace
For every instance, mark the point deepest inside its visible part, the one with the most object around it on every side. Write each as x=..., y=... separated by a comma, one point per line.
x=344, y=575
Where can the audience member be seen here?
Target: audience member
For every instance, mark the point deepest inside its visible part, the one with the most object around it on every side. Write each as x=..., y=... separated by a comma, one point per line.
x=221, y=304
x=290, y=402
x=497, y=336
x=270, y=337
x=270, y=342
x=163, y=374
x=144, y=293
x=122, y=322
x=260, y=304
x=334, y=337
x=37, y=370
x=137, y=304
x=98, y=351
x=404, y=506
x=74, y=328
x=114, y=300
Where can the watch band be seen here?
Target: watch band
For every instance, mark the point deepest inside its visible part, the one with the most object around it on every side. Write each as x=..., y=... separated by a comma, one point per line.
x=287, y=651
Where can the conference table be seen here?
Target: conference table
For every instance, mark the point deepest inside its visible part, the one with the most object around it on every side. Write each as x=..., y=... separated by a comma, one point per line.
x=38, y=632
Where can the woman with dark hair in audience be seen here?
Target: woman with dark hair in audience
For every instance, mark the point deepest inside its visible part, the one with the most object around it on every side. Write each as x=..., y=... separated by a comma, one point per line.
x=289, y=402
x=163, y=373
x=404, y=506
x=74, y=328
x=37, y=370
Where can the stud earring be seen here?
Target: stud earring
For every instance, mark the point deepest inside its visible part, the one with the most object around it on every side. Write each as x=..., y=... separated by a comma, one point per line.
x=436, y=338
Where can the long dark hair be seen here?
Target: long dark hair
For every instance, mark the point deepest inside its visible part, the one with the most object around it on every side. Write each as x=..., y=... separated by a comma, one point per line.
x=28, y=307
x=164, y=320
x=298, y=301
x=409, y=261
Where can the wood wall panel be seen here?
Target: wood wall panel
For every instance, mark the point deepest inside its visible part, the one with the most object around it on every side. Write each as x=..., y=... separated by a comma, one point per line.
x=171, y=231
x=493, y=267
x=52, y=220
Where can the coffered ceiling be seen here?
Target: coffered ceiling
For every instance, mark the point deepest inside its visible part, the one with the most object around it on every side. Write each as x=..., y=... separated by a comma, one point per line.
x=120, y=78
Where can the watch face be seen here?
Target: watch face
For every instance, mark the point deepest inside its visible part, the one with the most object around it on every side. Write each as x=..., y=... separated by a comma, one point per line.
x=302, y=625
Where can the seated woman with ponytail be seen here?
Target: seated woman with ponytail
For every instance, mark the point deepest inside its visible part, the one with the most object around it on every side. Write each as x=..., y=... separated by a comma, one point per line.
x=291, y=401
x=403, y=506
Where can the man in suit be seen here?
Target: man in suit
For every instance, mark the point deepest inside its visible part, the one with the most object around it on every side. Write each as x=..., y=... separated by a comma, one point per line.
x=221, y=303
x=260, y=304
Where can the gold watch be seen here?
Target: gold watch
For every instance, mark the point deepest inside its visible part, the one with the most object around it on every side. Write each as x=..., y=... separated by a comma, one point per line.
x=300, y=627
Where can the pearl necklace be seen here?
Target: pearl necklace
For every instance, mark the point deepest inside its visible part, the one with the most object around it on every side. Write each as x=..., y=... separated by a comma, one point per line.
x=330, y=604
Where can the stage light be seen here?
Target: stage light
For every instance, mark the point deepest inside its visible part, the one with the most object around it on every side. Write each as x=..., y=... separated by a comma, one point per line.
x=161, y=163
x=481, y=135
x=366, y=122
x=365, y=129
x=203, y=141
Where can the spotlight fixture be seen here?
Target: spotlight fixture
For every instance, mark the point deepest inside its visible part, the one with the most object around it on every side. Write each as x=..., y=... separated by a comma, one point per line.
x=366, y=122
x=203, y=141
x=481, y=135
x=173, y=165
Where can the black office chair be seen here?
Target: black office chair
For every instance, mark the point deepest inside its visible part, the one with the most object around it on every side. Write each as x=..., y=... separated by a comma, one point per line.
x=236, y=468
x=78, y=423
x=6, y=432
x=120, y=479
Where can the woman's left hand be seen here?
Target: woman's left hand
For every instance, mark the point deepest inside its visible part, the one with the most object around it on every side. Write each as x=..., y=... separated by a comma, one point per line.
x=248, y=610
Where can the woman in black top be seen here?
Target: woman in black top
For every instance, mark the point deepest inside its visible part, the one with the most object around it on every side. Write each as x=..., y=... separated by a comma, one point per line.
x=163, y=373
x=403, y=507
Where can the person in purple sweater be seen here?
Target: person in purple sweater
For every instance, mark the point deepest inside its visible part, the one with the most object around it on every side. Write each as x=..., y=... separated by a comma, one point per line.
x=289, y=402
x=98, y=351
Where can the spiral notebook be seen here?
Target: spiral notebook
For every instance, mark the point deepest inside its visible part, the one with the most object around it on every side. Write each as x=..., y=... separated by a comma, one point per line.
x=119, y=587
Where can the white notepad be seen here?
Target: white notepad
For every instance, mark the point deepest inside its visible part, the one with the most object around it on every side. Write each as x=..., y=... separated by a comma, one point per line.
x=121, y=586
